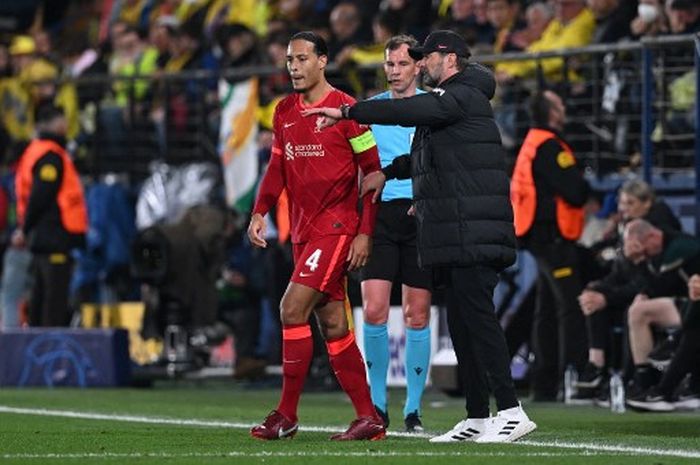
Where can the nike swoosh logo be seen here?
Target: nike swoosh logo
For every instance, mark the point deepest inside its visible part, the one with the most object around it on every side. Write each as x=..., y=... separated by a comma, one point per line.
x=305, y=275
x=284, y=432
x=289, y=125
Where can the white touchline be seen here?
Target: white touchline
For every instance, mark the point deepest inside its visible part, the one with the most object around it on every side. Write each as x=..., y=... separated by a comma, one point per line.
x=588, y=448
x=320, y=453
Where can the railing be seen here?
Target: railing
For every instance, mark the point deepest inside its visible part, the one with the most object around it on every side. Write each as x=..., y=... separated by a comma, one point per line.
x=626, y=109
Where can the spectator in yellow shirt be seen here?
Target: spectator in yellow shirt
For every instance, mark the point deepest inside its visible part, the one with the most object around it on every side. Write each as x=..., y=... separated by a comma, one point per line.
x=573, y=26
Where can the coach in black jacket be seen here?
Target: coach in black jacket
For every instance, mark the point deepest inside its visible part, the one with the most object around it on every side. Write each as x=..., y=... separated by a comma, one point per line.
x=465, y=219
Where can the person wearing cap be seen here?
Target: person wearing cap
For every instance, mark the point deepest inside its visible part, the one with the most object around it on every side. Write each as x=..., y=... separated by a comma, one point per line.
x=51, y=216
x=33, y=83
x=464, y=216
x=15, y=104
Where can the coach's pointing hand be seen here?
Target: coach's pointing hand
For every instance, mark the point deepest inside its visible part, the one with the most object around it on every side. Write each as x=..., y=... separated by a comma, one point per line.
x=373, y=182
x=327, y=116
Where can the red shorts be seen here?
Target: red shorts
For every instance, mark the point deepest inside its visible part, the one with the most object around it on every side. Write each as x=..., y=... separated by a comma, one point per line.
x=322, y=264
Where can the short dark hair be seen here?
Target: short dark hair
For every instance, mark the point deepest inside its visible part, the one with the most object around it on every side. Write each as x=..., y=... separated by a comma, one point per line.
x=462, y=63
x=539, y=108
x=46, y=112
x=399, y=40
x=320, y=46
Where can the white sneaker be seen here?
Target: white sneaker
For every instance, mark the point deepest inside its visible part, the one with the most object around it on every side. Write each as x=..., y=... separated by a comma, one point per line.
x=469, y=429
x=508, y=426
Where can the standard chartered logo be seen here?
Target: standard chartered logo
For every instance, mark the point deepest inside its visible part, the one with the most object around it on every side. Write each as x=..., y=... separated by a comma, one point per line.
x=303, y=150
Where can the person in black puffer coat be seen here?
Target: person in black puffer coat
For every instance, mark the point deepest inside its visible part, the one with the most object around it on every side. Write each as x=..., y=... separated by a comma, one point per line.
x=464, y=216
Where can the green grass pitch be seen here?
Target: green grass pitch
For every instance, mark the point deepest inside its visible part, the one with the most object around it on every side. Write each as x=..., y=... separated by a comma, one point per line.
x=208, y=424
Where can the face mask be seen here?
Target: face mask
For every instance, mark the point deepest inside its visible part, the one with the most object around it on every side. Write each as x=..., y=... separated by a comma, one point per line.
x=647, y=13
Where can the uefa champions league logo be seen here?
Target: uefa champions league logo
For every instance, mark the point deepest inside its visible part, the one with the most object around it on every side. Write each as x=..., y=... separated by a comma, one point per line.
x=59, y=359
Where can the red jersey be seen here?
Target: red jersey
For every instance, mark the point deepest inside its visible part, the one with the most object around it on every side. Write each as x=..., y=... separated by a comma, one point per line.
x=319, y=170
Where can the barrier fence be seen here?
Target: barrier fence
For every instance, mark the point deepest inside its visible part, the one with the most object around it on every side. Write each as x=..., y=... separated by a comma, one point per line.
x=632, y=108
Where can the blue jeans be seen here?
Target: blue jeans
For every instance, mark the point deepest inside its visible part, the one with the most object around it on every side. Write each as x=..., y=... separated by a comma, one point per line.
x=14, y=284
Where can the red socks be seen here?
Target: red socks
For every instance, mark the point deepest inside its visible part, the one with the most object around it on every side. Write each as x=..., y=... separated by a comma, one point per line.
x=349, y=368
x=297, y=351
x=345, y=358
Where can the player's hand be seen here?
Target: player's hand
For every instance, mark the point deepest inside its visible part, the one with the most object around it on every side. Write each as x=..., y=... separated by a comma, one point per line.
x=591, y=301
x=694, y=287
x=328, y=116
x=359, y=251
x=374, y=181
x=256, y=231
x=411, y=211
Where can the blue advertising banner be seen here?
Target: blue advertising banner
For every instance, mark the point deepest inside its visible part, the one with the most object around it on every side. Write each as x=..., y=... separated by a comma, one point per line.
x=64, y=357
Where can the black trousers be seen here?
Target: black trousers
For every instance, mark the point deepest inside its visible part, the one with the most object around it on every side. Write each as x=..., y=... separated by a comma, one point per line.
x=687, y=356
x=559, y=327
x=478, y=340
x=49, y=298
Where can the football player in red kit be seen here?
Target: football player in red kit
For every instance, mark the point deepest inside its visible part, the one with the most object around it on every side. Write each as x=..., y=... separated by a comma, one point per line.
x=319, y=169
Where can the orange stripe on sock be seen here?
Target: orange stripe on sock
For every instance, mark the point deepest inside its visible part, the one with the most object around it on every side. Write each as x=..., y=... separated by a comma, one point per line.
x=334, y=260
x=336, y=346
x=296, y=332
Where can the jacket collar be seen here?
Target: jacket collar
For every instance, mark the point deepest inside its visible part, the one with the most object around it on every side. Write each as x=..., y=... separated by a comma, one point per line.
x=60, y=140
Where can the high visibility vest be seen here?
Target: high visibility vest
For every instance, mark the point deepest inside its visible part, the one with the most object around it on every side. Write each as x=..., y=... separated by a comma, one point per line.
x=523, y=192
x=70, y=199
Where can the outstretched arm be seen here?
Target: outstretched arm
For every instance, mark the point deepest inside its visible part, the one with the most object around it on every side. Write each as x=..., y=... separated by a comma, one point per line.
x=432, y=108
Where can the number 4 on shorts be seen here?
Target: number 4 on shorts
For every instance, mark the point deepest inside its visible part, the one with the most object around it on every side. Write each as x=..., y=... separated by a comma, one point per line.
x=312, y=261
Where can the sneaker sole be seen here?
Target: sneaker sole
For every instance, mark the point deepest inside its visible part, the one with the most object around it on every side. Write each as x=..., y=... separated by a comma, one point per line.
x=687, y=404
x=651, y=406
x=530, y=427
x=451, y=440
x=527, y=429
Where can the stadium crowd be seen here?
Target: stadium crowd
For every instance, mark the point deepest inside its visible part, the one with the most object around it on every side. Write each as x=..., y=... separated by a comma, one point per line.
x=151, y=80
